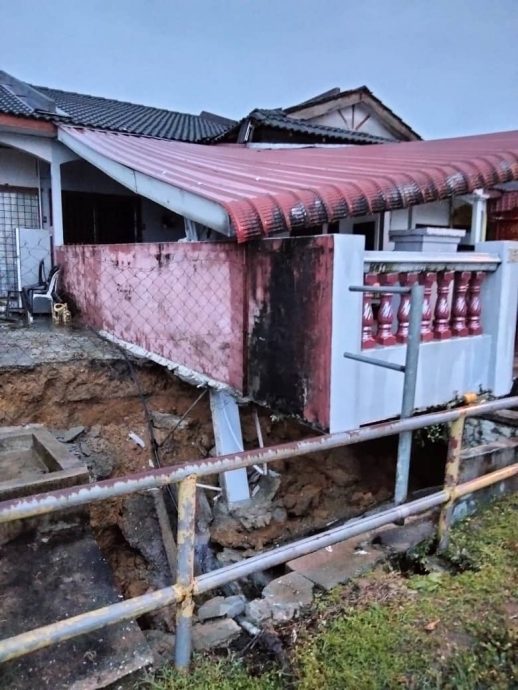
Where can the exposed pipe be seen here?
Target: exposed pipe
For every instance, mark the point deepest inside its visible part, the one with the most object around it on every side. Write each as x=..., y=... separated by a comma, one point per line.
x=302, y=547
x=53, y=501
x=39, y=638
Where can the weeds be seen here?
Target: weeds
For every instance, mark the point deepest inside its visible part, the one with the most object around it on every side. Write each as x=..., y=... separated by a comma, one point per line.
x=451, y=626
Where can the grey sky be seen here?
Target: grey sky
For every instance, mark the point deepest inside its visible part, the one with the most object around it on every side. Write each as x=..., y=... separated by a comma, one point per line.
x=448, y=67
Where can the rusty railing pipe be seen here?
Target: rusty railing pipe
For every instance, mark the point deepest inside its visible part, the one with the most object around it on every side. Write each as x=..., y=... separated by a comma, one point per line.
x=53, y=501
x=451, y=478
x=185, y=571
x=39, y=638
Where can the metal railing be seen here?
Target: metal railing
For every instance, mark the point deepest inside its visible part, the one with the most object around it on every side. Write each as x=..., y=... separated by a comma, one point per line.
x=409, y=369
x=187, y=586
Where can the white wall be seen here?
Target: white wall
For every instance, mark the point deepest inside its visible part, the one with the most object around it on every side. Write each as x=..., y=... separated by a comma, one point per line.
x=18, y=169
x=343, y=119
x=153, y=228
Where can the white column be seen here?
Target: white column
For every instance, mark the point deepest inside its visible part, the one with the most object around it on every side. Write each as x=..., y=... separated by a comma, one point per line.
x=478, y=216
x=499, y=298
x=228, y=437
x=346, y=332
x=57, y=212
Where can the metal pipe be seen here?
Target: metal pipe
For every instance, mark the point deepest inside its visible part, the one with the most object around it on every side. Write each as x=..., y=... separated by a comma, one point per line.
x=409, y=387
x=372, y=360
x=93, y=620
x=395, y=289
x=30, y=641
x=53, y=501
x=451, y=478
x=185, y=571
x=485, y=481
x=302, y=547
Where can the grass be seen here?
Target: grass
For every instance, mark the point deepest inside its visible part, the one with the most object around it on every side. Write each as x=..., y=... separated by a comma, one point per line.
x=454, y=627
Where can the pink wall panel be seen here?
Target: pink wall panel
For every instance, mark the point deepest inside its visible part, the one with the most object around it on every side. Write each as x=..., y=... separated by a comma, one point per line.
x=256, y=317
x=181, y=301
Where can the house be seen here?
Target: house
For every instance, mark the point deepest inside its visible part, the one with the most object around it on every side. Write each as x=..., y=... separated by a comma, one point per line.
x=265, y=313
x=54, y=187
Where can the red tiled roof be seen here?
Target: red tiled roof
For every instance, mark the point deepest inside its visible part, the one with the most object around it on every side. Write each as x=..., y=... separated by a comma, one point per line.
x=266, y=191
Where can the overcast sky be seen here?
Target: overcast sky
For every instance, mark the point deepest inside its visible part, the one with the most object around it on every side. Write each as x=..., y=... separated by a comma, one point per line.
x=447, y=67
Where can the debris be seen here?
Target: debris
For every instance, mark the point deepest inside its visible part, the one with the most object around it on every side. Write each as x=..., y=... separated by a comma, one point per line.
x=71, y=434
x=139, y=524
x=333, y=565
x=163, y=420
x=430, y=627
x=287, y=595
x=218, y=607
x=402, y=539
x=258, y=610
x=218, y=633
x=161, y=645
x=136, y=439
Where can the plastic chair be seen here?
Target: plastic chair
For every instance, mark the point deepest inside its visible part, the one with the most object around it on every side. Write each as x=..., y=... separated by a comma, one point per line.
x=46, y=294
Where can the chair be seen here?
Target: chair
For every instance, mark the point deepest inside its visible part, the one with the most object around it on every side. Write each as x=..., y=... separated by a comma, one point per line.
x=40, y=295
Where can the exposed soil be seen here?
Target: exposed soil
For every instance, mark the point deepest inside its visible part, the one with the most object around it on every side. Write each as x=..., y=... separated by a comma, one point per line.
x=102, y=396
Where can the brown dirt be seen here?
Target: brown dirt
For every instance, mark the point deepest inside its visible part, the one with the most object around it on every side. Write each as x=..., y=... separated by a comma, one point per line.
x=314, y=491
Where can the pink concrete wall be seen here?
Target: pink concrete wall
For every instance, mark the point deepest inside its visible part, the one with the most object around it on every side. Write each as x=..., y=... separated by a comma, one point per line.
x=256, y=317
x=181, y=301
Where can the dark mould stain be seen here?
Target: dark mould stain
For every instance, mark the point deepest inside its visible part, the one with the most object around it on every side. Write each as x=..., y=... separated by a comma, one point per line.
x=280, y=341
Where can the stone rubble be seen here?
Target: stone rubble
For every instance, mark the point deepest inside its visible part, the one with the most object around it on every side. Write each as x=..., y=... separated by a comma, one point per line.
x=214, y=634
x=218, y=607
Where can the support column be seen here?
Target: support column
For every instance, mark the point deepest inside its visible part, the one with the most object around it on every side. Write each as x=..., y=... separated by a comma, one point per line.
x=228, y=437
x=57, y=212
x=478, y=216
x=499, y=313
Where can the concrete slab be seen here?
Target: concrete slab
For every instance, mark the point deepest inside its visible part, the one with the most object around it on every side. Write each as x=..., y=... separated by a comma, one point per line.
x=45, y=578
x=32, y=461
x=336, y=564
x=287, y=595
x=218, y=633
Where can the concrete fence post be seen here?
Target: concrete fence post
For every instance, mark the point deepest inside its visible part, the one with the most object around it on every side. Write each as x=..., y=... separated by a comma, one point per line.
x=348, y=270
x=499, y=299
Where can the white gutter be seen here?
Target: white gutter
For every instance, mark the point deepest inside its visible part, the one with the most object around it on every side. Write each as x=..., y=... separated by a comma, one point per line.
x=187, y=204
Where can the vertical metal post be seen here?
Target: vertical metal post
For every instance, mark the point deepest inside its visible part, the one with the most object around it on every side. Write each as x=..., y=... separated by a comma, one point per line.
x=185, y=570
x=409, y=386
x=451, y=478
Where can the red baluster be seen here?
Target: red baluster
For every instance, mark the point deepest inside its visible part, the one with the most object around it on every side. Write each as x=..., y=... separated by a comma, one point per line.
x=368, y=340
x=427, y=279
x=459, y=304
x=441, y=327
x=403, y=313
x=474, y=304
x=386, y=313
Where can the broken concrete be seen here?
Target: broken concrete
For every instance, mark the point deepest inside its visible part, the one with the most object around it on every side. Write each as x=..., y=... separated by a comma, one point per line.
x=214, y=634
x=218, y=607
x=32, y=461
x=287, y=595
x=258, y=611
x=139, y=524
x=169, y=422
x=70, y=435
x=338, y=563
x=398, y=540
